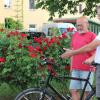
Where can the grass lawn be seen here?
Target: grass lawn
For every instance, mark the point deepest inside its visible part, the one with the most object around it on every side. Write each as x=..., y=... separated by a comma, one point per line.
x=7, y=93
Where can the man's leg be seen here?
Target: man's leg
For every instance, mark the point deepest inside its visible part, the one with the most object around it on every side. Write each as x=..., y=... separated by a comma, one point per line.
x=75, y=94
x=85, y=95
x=75, y=86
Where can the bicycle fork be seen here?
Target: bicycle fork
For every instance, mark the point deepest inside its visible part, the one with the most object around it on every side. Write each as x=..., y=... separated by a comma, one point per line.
x=42, y=96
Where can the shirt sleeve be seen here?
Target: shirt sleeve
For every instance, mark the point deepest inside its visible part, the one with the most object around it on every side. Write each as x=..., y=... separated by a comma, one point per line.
x=98, y=36
x=93, y=36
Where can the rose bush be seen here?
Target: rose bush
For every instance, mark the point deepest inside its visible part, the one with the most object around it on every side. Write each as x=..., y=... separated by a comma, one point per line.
x=18, y=63
x=20, y=58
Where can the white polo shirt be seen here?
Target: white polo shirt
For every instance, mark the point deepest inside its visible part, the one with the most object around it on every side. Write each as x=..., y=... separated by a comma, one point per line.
x=97, y=56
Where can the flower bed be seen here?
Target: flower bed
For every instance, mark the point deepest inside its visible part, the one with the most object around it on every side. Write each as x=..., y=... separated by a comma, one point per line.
x=20, y=58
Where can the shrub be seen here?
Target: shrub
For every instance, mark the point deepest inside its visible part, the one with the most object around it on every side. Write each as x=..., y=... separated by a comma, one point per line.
x=12, y=24
x=20, y=59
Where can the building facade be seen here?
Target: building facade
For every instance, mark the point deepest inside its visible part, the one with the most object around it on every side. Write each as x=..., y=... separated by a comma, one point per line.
x=24, y=10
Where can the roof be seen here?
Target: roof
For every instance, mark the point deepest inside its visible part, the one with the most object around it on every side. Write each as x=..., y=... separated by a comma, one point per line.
x=73, y=20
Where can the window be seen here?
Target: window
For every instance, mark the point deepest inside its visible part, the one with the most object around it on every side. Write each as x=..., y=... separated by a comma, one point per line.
x=32, y=27
x=7, y=3
x=31, y=4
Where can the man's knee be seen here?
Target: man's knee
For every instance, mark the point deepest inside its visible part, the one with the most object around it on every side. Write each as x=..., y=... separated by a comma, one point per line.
x=74, y=90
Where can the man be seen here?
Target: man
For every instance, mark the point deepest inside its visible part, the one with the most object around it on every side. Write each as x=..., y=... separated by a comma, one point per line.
x=85, y=49
x=80, y=38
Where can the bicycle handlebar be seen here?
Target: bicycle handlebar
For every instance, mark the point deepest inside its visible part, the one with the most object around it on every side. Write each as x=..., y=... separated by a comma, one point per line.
x=93, y=63
x=47, y=61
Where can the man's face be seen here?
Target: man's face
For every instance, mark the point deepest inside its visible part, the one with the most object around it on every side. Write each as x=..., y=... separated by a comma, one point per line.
x=82, y=26
x=98, y=13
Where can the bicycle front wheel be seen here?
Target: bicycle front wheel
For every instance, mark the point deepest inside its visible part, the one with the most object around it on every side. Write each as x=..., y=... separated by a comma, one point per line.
x=33, y=94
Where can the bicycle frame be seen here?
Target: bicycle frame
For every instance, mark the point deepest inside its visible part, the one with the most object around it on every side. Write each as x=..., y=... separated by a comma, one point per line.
x=50, y=77
x=43, y=90
x=52, y=88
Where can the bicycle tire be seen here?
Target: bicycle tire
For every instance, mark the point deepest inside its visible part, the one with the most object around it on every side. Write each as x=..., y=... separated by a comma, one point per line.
x=33, y=94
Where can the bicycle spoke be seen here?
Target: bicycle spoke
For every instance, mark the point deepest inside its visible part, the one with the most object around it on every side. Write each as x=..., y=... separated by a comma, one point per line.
x=26, y=98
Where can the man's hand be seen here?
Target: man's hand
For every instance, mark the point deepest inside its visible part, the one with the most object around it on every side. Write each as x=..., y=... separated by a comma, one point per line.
x=89, y=61
x=67, y=54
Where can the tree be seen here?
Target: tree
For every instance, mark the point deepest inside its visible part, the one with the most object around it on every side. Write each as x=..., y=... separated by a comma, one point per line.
x=12, y=24
x=62, y=7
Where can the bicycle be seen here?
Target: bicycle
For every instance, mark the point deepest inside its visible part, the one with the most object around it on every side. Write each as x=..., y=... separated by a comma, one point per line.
x=44, y=94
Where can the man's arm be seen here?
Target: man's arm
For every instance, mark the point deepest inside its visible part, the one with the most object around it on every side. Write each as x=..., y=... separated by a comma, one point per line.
x=85, y=48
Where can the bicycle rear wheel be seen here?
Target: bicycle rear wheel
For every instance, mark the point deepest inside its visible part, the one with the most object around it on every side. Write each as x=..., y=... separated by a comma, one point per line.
x=33, y=94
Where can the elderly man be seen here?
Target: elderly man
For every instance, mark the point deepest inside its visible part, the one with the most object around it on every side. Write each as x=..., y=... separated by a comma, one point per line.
x=85, y=49
x=80, y=38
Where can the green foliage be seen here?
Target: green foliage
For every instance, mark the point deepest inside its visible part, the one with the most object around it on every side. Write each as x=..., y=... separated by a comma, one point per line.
x=62, y=7
x=6, y=90
x=54, y=32
x=1, y=26
x=20, y=59
x=19, y=67
x=12, y=24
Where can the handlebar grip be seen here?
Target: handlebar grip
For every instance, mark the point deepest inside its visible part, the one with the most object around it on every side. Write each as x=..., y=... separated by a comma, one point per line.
x=94, y=64
x=46, y=61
